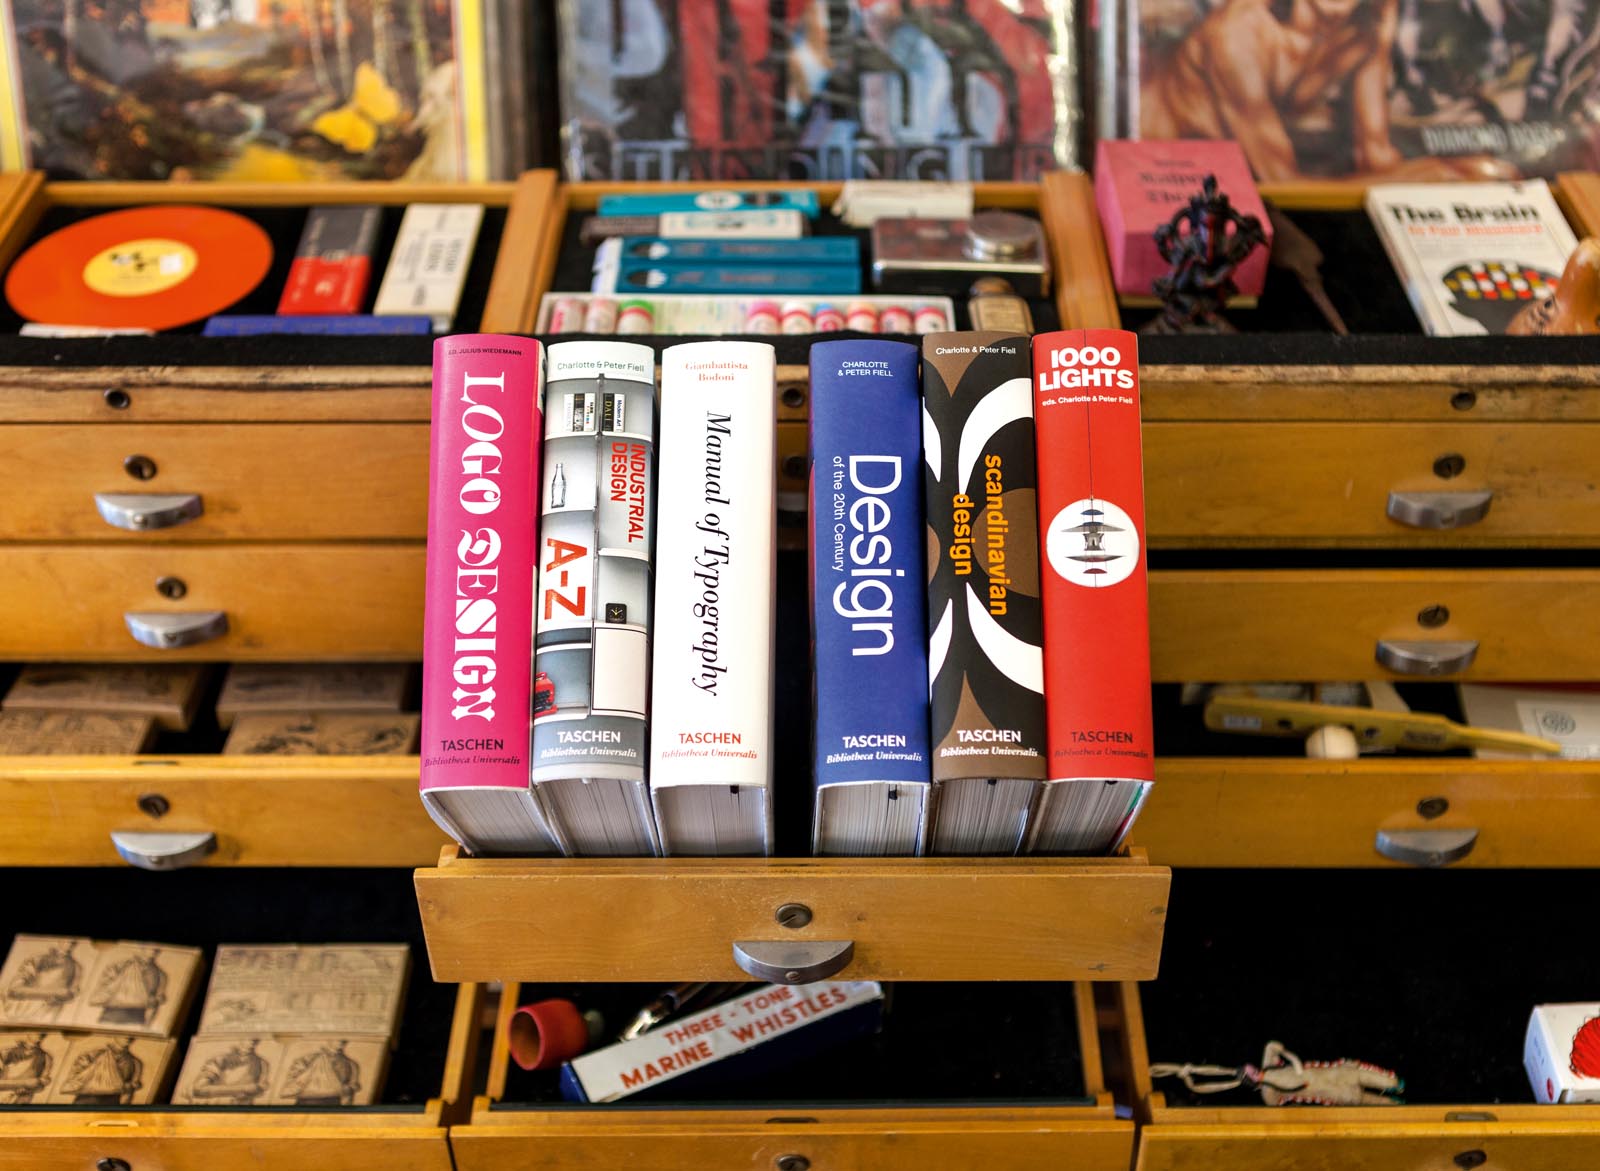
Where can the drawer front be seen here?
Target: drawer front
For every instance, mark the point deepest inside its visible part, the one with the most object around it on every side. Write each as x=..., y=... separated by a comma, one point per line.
x=1549, y=1144
x=220, y=1141
x=833, y=1142
x=1312, y=483
x=1220, y=625
x=262, y=481
x=282, y=602
x=264, y=811
x=907, y=918
x=1298, y=812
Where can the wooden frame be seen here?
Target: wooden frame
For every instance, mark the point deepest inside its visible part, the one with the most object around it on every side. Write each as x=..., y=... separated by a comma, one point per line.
x=363, y=1139
x=500, y=1136
x=1371, y=1138
x=578, y=919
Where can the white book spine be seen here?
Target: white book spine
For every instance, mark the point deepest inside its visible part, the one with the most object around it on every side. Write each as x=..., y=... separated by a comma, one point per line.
x=712, y=697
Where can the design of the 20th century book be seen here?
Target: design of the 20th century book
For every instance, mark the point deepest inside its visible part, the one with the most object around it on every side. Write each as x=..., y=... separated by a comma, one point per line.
x=985, y=641
x=483, y=509
x=868, y=600
x=716, y=568
x=591, y=658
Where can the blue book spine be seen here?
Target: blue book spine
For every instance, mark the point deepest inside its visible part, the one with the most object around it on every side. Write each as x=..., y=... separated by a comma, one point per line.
x=655, y=203
x=868, y=588
x=343, y=325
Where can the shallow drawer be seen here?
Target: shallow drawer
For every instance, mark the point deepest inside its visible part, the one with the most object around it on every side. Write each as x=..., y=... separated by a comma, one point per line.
x=679, y=918
x=1084, y=1135
x=1230, y=811
x=1245, y=625
x=437, y=1047
x=262, y=811
x=264, y=481
x=1331, y=483
x=1316, y=957
x=281, y=602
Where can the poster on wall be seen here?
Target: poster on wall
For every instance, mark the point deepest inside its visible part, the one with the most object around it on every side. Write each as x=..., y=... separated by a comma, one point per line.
x=244, y=90
x=1381, y=89
x=817, y=89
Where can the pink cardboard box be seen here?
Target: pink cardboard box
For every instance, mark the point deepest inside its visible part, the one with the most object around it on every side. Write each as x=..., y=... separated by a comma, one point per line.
x=1137, y=187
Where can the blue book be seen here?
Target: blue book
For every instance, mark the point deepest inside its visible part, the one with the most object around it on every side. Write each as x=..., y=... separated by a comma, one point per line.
x=657, y=202
x=868, y=600
x=343, y=325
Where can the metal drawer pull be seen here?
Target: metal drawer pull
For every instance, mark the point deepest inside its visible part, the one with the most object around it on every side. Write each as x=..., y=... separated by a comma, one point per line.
x=1439, y=510
x=167, y=631
x=163, y=851
x=142, y=512
x=1428, y=848
x=1426, y=656
x=798, y=962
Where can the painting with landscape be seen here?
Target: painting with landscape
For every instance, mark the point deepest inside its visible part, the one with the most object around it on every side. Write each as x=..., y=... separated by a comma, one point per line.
x=244, y=90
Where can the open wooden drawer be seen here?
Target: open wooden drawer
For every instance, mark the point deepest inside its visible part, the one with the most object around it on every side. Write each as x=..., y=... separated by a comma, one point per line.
x=683, y=918
x=1310, y=960
x=1285, y=435
x=1064, y=1118
x=429, y=1071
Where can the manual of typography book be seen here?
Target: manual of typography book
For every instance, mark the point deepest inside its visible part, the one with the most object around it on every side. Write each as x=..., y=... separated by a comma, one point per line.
x=591, y=647
x=985, y=640
x=1472, y=255
x=483, y=508
x=1096, y=606
x=868, y=600
x=711, y=696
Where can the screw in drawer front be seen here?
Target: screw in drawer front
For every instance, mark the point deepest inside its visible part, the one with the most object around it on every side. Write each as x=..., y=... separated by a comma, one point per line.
x=171, y=588
x=794, y=467
x=112, y=1165
x=1470, y=1159
x=1448, y=467
x=153, y=805
x=792, y=1163
x=1431, y=807
x=140, y=467
x=116, y=398
x=1464, y=400
x=793, y=396
x=794, y=915
x=1432, y=616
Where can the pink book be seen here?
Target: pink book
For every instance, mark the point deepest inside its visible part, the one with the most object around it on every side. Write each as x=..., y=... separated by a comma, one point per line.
x=1137, y=187
x=483, y=510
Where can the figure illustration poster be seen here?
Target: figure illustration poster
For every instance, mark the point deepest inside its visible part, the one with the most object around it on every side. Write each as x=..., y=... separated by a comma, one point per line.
x=1400, y=90
x=817, y=89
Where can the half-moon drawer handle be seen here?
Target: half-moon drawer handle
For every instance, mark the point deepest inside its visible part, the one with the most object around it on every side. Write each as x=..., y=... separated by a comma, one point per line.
x=1439, y=510
x=1426, y=656
x=798, y=962
x=167, y=631
x=142, y=512
x=1429, y=848
x=163, y=851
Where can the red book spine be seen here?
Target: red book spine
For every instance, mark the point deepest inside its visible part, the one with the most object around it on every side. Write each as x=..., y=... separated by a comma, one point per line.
x=483, y=508
x=1092, y=536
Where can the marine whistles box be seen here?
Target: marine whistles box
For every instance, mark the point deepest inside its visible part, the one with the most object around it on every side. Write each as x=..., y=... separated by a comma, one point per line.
x=1139, y=185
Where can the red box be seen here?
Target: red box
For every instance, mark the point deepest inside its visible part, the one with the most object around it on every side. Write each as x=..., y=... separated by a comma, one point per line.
x=333, y=263
x=1137, y=187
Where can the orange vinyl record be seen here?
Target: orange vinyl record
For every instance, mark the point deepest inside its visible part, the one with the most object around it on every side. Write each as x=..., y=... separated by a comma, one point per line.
x=143, y=268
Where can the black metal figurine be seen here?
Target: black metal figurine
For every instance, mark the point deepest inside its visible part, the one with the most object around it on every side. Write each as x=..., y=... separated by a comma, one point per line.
x=1204, y=242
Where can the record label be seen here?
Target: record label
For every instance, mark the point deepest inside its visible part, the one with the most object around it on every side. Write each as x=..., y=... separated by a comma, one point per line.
x=140, y=267
x=148, y=267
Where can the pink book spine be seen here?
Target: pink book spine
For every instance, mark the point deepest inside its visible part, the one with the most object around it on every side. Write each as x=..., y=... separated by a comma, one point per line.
x=483, y=509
